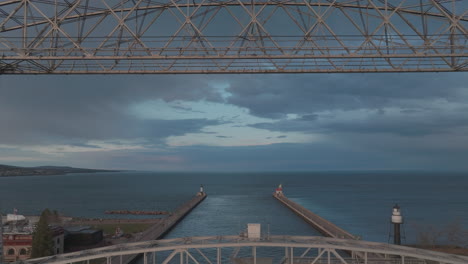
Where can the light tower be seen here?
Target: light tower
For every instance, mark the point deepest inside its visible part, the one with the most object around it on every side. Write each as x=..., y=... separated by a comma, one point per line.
x=279, y=190
x=397, y=220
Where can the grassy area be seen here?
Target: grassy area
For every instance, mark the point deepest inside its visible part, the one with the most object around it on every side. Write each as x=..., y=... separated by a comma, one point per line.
x=127, y=228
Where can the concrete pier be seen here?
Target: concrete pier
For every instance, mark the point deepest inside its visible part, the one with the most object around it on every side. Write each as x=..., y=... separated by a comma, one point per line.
x=160, y=229
x=322, y=225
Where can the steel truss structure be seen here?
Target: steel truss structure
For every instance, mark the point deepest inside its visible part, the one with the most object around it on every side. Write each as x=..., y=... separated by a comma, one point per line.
x=237, y=249
x=232, y=36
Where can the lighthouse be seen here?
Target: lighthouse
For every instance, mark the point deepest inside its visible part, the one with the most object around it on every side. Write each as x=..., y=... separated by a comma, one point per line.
x=397, y=220
x=279, y=190
x=202, y=191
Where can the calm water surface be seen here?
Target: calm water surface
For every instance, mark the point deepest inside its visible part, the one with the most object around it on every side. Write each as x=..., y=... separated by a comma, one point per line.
x=358, y=202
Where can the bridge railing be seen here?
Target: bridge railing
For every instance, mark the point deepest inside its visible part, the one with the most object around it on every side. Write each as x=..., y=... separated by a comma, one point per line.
x=277, y=249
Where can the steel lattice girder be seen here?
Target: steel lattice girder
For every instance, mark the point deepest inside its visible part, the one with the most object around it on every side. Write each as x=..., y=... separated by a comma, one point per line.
x=308, y=248
x=235, y=36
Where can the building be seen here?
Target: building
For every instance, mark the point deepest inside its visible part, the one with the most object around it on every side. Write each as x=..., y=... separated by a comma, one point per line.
x=17, y=238
x=82, y=237
x=58, y=236
x=1, y=239
x=17, y=235
x=16, y=246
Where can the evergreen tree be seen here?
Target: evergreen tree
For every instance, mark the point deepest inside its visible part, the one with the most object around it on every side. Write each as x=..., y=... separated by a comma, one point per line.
x=42, y=244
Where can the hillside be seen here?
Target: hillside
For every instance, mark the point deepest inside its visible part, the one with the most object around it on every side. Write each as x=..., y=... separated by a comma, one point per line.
x=8, y=171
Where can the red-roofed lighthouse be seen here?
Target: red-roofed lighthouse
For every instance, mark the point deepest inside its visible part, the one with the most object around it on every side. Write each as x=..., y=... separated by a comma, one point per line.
x=279, y=190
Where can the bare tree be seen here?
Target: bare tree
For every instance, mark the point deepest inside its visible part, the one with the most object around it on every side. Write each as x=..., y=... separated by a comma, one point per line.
x=455, y=234
x=429, y=235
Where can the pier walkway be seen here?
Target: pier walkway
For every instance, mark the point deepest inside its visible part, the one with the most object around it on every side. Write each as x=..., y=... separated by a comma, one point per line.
x=322, y=225
x=160, y=229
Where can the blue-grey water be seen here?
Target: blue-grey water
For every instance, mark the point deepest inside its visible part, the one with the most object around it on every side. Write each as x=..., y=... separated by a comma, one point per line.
x=359, y=202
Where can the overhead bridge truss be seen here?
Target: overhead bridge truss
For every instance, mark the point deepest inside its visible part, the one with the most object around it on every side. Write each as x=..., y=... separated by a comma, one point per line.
x=270, y=250
x=232, y=36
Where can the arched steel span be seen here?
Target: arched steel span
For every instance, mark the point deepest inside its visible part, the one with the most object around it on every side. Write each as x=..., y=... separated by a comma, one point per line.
x=222, y=249
x=232, y=36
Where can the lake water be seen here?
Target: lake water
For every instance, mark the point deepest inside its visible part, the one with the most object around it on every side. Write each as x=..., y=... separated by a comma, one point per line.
x=359, y=202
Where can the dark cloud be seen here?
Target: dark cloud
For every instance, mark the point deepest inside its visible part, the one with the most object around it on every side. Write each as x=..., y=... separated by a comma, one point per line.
x=404, y=127
x=70, y=109
x=208, y=132
x=429, y=102
x=279, y=95
x=84, y=145
x=410, y=111
x=432, y=122
x=310, y=117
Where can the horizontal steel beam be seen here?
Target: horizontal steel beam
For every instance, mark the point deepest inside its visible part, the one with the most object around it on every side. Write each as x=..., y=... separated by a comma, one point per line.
x=231, y=4
x=142, y=72
x=242, y=57
x=234, y=36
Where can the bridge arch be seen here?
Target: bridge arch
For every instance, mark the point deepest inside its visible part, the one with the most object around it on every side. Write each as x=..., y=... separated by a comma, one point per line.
x=298, y=249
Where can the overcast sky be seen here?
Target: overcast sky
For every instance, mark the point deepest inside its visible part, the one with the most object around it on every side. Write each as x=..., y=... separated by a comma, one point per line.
x=237, y=122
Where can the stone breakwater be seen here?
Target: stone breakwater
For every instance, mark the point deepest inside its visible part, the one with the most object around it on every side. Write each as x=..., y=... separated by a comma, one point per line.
x=128, y=212
x=157, y=231
x=322, y=225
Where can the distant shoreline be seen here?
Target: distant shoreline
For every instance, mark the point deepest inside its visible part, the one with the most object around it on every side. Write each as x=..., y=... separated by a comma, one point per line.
x=14, y=171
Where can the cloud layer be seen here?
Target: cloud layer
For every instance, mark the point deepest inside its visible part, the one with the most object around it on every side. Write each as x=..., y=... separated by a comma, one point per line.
x=237, y=122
